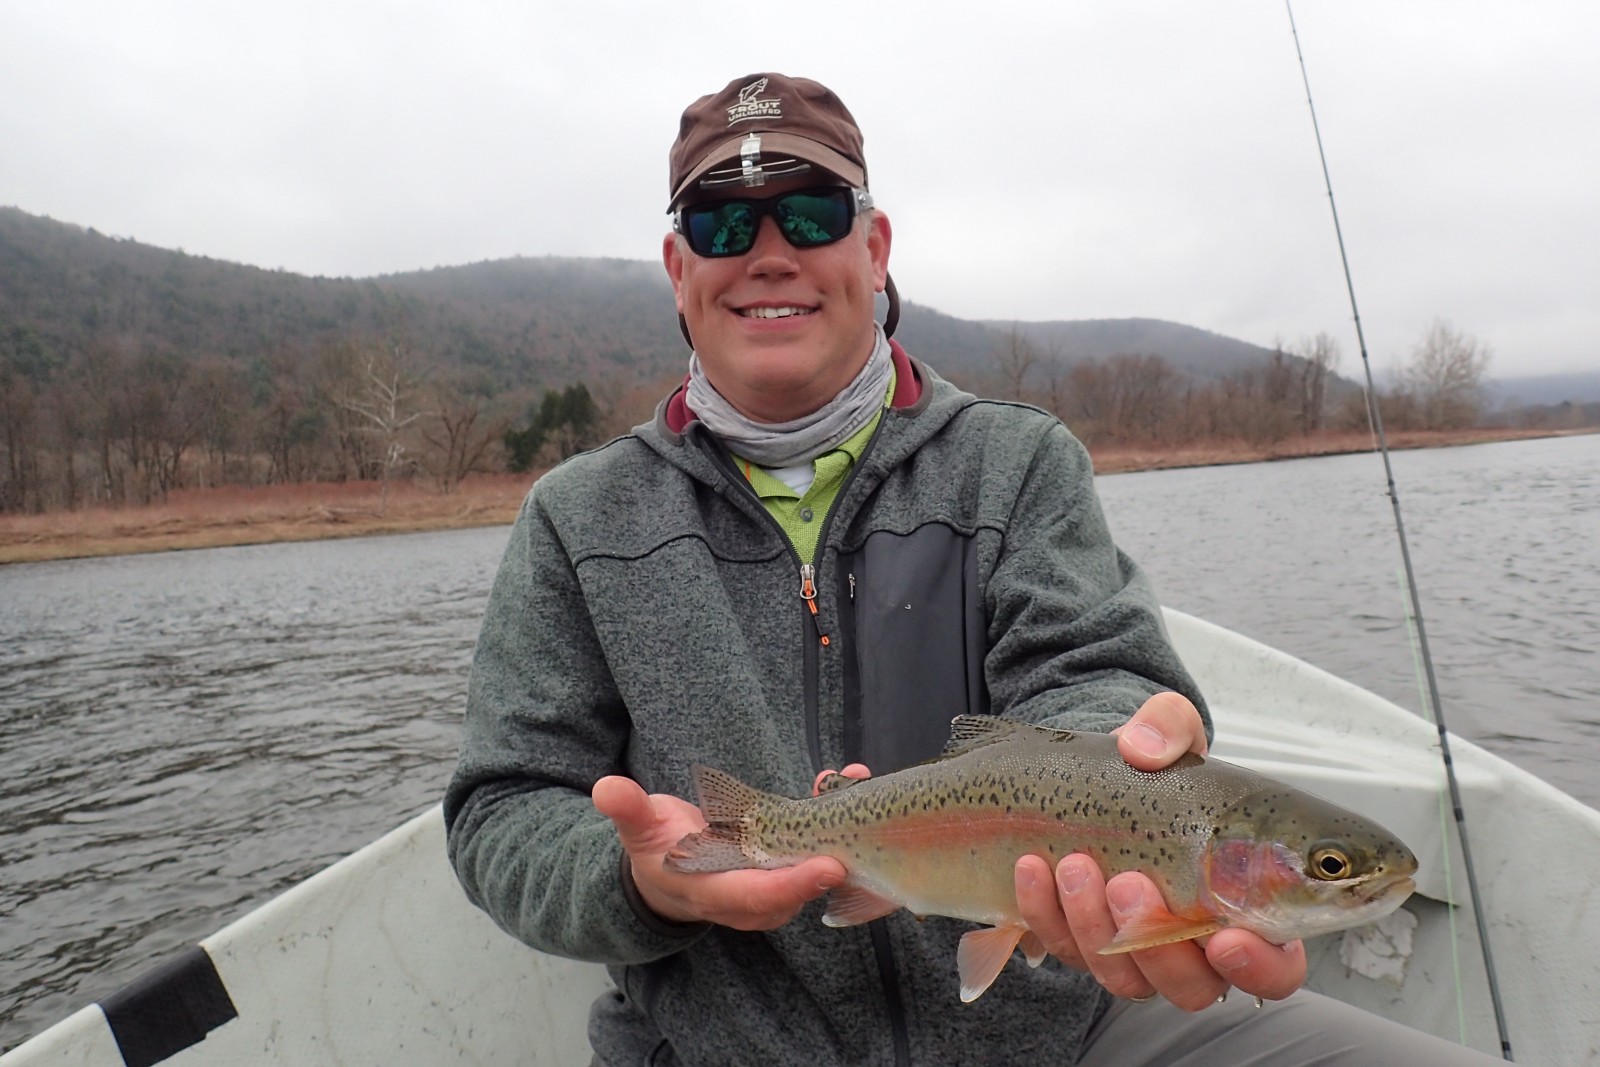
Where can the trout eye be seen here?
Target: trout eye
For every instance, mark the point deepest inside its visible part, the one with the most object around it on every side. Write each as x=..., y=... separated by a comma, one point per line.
x=1330, y=862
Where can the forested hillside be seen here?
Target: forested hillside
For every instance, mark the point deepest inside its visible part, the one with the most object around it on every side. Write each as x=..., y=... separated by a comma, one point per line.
x=64, y=289
x=128, y=370
x=516, y=322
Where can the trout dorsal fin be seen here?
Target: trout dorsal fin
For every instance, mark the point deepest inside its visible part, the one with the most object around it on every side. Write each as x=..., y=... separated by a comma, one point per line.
x=969, y=732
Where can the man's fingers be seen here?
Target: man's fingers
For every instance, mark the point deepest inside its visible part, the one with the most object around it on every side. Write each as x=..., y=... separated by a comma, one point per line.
x=1083, y=900
x=1040, y=905
x=852, y=770
x=1258, y=967
x=1163, y=729
x=760, y=900
x=807, y=881
x=1179, y=970
x=745, y=899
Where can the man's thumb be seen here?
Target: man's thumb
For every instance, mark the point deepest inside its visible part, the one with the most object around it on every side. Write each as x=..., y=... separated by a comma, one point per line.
x=627, y=805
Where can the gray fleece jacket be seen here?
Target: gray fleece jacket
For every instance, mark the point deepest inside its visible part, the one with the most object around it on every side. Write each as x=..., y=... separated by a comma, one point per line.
x=647, y=617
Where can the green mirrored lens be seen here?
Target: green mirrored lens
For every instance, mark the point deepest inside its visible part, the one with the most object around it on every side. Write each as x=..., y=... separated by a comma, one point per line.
x=809, y=219
x=806, y=219
x=727, y=229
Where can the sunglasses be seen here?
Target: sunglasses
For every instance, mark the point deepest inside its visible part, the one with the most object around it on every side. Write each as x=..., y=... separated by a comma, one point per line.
x=809, y=218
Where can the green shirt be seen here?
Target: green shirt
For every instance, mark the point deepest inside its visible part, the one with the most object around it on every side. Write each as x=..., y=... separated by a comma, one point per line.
x=802, y=516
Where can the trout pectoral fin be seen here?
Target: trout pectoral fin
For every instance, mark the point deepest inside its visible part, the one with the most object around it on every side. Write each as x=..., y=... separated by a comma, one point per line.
x=850, y=905
x=1160, y=928
x=1033, y=949
x=981, y=957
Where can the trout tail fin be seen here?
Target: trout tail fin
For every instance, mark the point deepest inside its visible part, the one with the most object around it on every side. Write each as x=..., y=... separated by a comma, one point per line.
x=725, y=800
x=728, y=843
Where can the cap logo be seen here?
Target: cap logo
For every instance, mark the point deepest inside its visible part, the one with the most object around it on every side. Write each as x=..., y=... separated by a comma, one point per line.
x=752, y=105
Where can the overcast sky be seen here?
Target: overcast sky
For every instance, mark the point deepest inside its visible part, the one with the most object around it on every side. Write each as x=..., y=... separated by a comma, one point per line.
x=1052, y=159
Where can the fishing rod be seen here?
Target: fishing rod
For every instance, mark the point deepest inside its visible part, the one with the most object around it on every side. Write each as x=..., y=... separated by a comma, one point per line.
x=1375, y=416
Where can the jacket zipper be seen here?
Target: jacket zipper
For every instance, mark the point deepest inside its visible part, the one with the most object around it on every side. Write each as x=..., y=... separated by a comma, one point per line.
x=808, y=593
x=883, y=951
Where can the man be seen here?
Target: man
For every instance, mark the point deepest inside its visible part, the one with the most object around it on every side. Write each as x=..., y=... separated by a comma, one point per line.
x=814, y=556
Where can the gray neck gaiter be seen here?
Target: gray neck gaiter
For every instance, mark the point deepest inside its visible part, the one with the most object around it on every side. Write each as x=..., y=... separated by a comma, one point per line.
x=785, y=444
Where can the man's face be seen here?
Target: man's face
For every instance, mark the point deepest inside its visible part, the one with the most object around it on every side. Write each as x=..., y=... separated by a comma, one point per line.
x=778, y=368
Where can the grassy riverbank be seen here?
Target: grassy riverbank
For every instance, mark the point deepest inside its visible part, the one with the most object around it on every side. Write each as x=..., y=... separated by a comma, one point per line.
x=235, y=515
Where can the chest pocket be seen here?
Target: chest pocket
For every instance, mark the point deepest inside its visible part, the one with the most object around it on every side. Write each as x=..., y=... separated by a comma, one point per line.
x=915, y=621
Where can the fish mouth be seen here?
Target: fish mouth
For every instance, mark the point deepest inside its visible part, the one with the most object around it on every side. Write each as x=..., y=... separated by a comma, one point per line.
x=1395, y=886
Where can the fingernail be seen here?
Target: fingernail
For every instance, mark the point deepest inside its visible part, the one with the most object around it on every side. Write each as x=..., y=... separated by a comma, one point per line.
x=1027, y=878
x=1232, y=960
x=1072, y=877
x=1146, y=739
x=1124, y=896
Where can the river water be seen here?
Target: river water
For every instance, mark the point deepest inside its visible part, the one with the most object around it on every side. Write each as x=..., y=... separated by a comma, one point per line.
x=186, y=734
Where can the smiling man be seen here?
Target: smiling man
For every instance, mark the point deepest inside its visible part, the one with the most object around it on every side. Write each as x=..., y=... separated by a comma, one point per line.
x=780, y=328
x=815, y=555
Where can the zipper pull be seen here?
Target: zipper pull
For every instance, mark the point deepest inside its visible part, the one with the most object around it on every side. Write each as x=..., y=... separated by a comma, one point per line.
x=852, y=587
x=808, y=593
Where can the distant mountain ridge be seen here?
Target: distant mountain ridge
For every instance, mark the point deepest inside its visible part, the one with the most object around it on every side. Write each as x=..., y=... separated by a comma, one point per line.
x=543, y=321
x=1579, y=388
x=526, y=321
x=1190, y=348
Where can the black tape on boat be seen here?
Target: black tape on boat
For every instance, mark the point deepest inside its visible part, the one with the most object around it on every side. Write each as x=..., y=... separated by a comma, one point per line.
x=168, y=1008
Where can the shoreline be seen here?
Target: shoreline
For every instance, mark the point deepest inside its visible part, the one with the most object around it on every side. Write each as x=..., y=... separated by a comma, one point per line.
x=247, y=515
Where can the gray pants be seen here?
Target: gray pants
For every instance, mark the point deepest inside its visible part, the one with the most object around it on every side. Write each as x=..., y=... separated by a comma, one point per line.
x=1307, y=1029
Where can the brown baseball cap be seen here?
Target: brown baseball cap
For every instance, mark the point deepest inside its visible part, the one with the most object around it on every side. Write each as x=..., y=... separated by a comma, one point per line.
x=757, y=127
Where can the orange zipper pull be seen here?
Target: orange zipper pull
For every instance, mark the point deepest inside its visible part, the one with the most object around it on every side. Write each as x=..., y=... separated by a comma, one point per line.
x=808, y=593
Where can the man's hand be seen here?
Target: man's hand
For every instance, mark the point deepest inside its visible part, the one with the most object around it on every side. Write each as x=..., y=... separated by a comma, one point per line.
x=1076, y=912
x=651, y=824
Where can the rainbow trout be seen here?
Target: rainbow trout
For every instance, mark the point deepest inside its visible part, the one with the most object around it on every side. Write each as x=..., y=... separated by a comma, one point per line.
x=1226, y=846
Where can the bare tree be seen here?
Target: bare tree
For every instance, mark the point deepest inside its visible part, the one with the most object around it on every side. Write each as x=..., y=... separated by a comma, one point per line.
x=383, y=401
x=225, y=417
x=460, y=430
x=1321, y=355
x=1015, y=359
x=1445, y=377
x=1124, y=398
x=19, y=426
x=289, y=419
x=167, y=412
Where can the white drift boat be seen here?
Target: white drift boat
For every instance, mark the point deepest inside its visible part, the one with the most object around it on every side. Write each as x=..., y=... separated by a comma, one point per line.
x=380, y=959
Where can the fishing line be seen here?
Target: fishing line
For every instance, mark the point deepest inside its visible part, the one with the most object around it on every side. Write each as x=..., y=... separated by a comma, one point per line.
x=1444, y=824
x=1375, y=416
